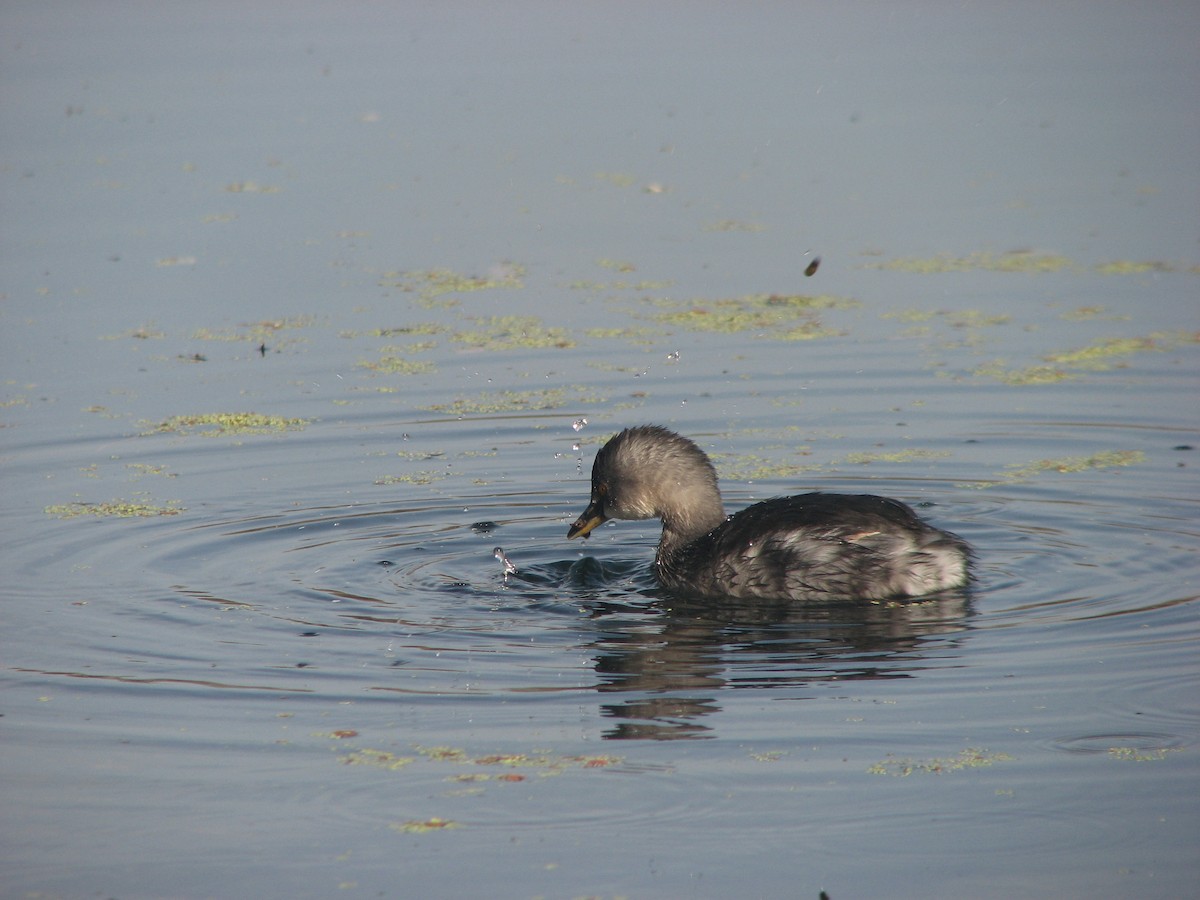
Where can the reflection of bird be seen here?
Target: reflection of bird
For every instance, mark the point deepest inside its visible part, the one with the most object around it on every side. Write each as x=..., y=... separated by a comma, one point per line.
x=806, y=547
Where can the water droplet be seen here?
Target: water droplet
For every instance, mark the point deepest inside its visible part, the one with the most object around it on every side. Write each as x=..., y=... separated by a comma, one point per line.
x=509, y=568
x=579, y=424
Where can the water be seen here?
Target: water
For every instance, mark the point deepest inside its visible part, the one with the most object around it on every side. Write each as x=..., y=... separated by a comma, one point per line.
x=440, y=256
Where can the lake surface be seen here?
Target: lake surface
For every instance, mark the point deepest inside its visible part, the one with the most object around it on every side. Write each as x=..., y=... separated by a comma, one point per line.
x=304, y=315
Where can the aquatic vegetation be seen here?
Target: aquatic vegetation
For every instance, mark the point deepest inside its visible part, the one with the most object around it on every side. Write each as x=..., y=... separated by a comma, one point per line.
x=421, y=328
x=1105, y=459
x=147, y=469
x=379, y=759
x=971, y=758
x=142, y=333
x=750, y=467
x=1099, y=355
x=397, y=365
x=1023, y=376
x=215, y=424
x=769, y=756
x=1015, y=261
x=430, y=285
x=1131, y=267
x=425, y=477
x=1136, y=754
x=908, y=455
x=443, y=754
x=616, y=265
x=458, y=756
x=783, y=317
x=1094, y=357
x=512, y=332
x=515, y=401
x=425, y=825
x=254, y=331
x=1091, y=313
x=115, y=509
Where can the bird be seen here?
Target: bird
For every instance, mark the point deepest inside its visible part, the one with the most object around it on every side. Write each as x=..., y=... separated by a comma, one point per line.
x=804, y=548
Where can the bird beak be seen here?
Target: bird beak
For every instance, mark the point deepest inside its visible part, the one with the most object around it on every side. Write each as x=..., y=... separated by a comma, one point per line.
x=592, y=516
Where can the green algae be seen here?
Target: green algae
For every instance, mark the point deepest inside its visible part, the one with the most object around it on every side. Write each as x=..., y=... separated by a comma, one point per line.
x=1017, y=261
x=752, y=467
x=909, y=455
x=1066, y=365
x=379, y=759
x=433, y=287
x=970, y=758
x=425, y=477
x=490, y=402
x=1091, y=313
x=255, y=331
x=1105, y=459
x=782, y=317
x=616, y=265
x=1027, y=375
x=397, y=365
x=113, y=509
x=423, y=826
x=1101, y=355
x=1133, y=267
x=219, y=424
x=513, y=332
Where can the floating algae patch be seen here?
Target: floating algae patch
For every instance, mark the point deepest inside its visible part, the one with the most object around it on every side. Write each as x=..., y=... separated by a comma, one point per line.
x=511, y=333
x=1094, y=357
x=910, y=455
x=1102, y=354
x=255, y=331
x=1105, y=459
x=750, y=467
x=516, y=401
x=397, y=365
x=1133, y=267
x=420, y=328
x=142, y=333
x=424, y=477
x=1016, y=261
x=971, y=758
x=1023, y=376
x=783, y=317
x=422, y=826
x=1092, y=313
x=216, y=424
x=1134, y=754
x=956, y=318
x=379, y=759
x=431, y=285
x=114, y=509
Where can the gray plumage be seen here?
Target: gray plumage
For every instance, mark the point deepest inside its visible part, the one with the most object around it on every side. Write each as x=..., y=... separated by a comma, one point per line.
x=805, y=547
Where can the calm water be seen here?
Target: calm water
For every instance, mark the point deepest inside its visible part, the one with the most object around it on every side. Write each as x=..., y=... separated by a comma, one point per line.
x=303, y=317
